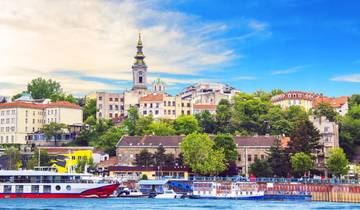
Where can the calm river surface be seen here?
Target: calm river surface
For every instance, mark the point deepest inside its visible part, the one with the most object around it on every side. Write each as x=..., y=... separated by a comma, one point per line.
x=152, y=204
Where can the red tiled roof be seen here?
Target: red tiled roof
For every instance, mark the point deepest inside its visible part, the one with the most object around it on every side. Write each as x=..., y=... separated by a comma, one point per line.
x=111, y=162
x=174, y=141
x=64, y=104
x=300, y=95
x=204, y=106
x=153, y=97
x=334, y=102
x=22, y=105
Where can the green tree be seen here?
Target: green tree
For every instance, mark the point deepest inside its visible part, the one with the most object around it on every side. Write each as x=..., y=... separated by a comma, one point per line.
x=279, y=160
x=131, y=121
x=90, y=109
x=13, y=158
x=200, y=155
x=34, y=161
x=275, y=92
x=40, y=88
x=142, y=126
x=53, y=130
x=248, y=114
x=206, y=121
x=109, y=139
x=304, y=138
x=261, y=168
x=159, y=128
x=301, y=163
x=186, y=124
x=262, y=95
x=295, y=114
x=325, y=109
x=223, y=117
x=159, y=156
x=227, y=143
x=337, y=163
x=354, y=100
x=93, y=133
x=144, y=158
x=350, y=131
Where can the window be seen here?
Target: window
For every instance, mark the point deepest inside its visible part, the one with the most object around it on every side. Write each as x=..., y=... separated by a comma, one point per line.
x=157, y=105
x=110, y=99
x=110, y=115
x=165, y=111
x=188, y=104
x=326, y=129
x=116, y=99
x=164, y=103
x=140, y=79
x=169, y=111
x=262, y=157
x=173, y=103
x=169, y=103
x=239, y=157
x=249, y=158
x=57, y=187
x=19, y=188
x=100, y=98
x=116, y=107
x=173, y=111
x=255, y=157
x=110, y=107
x=182, y=104
x=35, y=188
x=47, y=189
x=156, y=112
x=144, y=112
x=182, y=112
x=7, y=188
x=188, y=112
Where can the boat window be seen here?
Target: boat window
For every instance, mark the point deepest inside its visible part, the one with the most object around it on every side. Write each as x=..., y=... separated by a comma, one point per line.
x=19, y=188
x=58, y=187
x=7, y=188
x=57, y=179
x=68, y=187
x=35, y=179
x=47, y=189
x=47, y=179
x=4, y=179
x=35, y=188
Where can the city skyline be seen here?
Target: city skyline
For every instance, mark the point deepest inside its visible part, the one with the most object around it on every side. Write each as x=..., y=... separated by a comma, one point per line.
x=250, y=45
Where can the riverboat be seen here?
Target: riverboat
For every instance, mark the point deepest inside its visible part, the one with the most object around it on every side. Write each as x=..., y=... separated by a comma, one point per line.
x=49, y=184
x=227, y=190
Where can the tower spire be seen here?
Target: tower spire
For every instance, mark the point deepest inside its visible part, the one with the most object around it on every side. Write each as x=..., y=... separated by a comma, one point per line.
x=139, y=57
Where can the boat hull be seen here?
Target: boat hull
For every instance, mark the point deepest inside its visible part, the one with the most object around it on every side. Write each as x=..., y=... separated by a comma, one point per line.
x=99, y=192
x=260, y=197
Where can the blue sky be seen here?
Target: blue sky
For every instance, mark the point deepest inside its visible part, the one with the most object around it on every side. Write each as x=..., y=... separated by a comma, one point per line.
x=306, y=45
x=249, y=44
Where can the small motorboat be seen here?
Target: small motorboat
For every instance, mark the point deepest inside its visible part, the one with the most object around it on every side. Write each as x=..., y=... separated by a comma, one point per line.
x=169, y=194
x=130, y=193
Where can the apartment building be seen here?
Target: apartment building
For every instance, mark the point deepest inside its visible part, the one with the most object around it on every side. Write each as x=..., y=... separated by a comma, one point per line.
x=339, y=104
x=19, y=119
x=295, y=98
x=161, y=105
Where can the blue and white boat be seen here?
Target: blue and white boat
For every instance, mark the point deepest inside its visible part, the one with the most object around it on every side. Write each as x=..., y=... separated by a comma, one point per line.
x=227, y=190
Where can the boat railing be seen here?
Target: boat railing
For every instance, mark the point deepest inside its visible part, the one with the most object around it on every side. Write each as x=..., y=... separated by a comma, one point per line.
x=275, y=180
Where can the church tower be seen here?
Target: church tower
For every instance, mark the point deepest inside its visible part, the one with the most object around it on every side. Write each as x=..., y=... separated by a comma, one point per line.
x=139, y=68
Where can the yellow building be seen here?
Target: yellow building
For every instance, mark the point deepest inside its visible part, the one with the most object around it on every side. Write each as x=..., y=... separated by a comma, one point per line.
x=295, y=98
x=66, y=159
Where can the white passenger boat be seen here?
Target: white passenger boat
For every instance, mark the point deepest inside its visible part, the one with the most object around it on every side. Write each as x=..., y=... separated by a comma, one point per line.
x=169, y=194
x=227, y=190
x=48, y=184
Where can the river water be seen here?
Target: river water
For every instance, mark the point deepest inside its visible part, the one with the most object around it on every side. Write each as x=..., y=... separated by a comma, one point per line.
x=156, y=204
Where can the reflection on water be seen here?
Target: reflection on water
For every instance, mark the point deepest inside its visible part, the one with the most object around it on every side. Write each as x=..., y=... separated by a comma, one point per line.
x=152, y=204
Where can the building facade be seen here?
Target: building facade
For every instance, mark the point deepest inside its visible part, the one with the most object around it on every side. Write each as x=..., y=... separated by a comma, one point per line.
x=295, y=98
x=20, y=120
x=248, y=147
x=162, y=105
x=310, y=101
x=340, y=104
x=329, y=132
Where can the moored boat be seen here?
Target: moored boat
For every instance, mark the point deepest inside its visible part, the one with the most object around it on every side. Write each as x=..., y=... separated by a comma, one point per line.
x=227, y=190
x=169, y=194
x=48, y=184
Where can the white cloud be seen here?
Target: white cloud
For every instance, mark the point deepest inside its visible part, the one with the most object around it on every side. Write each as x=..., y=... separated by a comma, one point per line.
x=97, y=38
x=287, y=71
x=258, y=26
x=244, y=78
x=347, y=78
